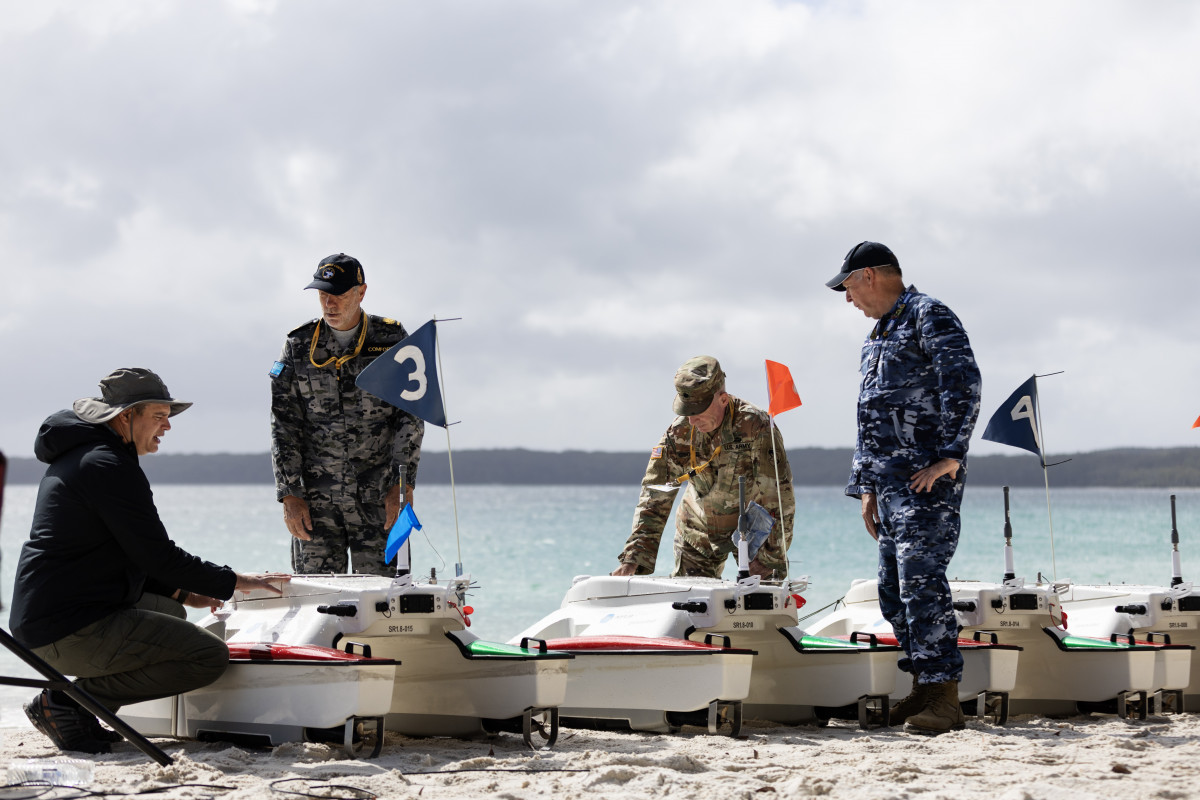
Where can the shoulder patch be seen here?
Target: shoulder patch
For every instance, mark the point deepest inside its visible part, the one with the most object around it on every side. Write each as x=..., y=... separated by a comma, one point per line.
x=277, y=369
x=656, y=452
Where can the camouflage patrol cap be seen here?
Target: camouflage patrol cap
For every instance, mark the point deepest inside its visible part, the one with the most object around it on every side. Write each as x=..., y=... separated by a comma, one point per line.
x=696, y=383
x=337, y=274
x=125, y=388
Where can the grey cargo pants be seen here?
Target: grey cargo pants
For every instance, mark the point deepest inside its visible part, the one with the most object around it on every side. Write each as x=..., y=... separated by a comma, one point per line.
x=141, y=653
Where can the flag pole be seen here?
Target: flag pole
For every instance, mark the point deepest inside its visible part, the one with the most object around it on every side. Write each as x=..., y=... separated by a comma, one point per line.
x=437, y=341
x=1045, y=476
x=775, y=456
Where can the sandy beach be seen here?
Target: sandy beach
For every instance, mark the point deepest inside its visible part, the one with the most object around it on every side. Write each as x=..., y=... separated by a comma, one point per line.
x=1029, y=758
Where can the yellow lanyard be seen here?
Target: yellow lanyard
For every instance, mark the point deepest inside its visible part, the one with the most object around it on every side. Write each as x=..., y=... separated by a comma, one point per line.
x=312, y=348
x=696, y=470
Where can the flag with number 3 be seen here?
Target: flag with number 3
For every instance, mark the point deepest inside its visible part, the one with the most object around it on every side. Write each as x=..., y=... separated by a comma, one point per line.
x=406, y=376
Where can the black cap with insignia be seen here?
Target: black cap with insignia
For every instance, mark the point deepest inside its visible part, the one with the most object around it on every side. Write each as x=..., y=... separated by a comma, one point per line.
x=337, y=274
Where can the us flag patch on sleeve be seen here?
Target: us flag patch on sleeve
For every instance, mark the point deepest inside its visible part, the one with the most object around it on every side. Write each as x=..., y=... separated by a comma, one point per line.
x=656, y=452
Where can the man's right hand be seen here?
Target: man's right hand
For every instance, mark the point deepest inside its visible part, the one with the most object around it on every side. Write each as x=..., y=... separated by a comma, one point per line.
x=297, y=518
x=624, y=570
x=271, y=581
x=870, y=515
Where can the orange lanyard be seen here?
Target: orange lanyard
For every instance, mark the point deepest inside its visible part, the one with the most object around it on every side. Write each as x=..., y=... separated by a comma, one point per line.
x=312, y=348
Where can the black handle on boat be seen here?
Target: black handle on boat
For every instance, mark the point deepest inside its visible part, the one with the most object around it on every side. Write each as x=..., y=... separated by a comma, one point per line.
x=991, y=636
x=872, y=639
x=339, y=610
x=1132, y=608
x=366, y=648
x=541, y=643
x=1166, y=637
x=964, y=605
x=726, y=642
x=691, y=606
x=1117, y=637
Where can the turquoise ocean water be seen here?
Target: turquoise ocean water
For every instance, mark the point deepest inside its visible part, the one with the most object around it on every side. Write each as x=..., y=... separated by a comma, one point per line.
x=523, y=545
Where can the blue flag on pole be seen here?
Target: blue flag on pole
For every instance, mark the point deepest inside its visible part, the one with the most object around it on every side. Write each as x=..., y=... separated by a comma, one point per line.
x=402, y=528
x=1015, y=422
x=406, y=376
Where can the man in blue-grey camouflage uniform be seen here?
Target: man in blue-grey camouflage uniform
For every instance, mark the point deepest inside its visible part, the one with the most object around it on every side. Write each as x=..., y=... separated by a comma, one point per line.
x=716, y=439
x=340, y=454
x=917, y=405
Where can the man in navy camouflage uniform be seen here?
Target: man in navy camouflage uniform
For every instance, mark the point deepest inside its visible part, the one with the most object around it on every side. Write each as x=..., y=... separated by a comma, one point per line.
x=339, y=453
x=917, y=405
x=715, y=439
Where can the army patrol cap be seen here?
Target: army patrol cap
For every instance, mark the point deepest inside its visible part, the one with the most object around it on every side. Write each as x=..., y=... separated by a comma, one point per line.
x=337, y=274
x=125, y=388
x=696, y=383
x=862, y=256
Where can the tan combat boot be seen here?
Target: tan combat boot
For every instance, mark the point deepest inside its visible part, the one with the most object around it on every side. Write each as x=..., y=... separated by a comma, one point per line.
x=914, y=703
x=941, y=713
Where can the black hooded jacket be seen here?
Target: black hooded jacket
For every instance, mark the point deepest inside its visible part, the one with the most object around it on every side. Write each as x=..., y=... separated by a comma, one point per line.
x=96, y=542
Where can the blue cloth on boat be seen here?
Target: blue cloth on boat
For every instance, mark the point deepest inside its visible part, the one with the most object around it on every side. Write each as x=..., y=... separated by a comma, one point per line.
x=402, y=528
x=757, y=522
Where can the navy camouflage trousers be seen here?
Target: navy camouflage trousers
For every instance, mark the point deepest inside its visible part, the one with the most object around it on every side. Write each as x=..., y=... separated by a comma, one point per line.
x=918, y=534
x=338, y=527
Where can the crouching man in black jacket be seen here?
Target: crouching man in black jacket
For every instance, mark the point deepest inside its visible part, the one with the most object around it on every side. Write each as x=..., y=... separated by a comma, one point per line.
x=100, y=586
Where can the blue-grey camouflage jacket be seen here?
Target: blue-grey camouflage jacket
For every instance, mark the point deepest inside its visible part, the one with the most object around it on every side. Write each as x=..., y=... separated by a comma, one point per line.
x=919, y=396
x=328, y=437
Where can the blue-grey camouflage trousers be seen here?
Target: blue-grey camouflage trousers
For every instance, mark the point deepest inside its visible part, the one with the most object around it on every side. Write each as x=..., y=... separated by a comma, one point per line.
x=340, y=527
x=918, y=534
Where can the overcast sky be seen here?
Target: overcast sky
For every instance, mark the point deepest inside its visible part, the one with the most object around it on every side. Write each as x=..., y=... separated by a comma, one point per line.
x=601, y=190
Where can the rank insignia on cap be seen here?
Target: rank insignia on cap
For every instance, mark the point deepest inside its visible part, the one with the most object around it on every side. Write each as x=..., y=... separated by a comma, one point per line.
x=656, y=452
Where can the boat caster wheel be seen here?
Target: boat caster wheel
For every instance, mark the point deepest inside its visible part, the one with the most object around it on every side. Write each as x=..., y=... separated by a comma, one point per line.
x=873, y=712
x=1133, y=705
x=542, y=723
x=993, y=706
x=354, y=736
x=722, y=712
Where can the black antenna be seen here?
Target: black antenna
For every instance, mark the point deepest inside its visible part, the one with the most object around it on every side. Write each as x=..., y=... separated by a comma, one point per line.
x=743, y=567
x=1176, y=569
x=1009, y=574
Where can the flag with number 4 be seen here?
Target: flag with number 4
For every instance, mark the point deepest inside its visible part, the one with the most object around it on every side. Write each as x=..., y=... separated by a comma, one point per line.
x=406, y=376
x=1015, y=422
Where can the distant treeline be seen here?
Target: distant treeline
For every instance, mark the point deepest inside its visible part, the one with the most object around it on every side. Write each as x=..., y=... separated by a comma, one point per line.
x=812, y=466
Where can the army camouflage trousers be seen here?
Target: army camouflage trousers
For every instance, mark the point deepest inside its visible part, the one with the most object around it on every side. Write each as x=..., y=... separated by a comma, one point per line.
x=918, y=534
x=340, y=528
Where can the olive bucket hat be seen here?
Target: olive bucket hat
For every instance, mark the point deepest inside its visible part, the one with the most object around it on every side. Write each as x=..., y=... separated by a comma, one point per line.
x=125, y=388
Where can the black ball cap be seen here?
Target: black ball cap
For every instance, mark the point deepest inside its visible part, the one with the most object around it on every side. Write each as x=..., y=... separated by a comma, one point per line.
x=337, y=274
x=861, y=256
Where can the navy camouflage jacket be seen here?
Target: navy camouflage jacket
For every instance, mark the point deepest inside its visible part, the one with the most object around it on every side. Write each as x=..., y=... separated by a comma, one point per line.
x=919, y=396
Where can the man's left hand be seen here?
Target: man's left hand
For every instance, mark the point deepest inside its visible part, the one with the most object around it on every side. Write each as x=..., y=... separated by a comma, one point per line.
x=391, y=504
x=922, y=480
x=757, y=568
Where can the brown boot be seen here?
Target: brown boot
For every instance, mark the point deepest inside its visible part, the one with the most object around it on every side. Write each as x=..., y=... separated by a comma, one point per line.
x=914, y=703
x=941, y=713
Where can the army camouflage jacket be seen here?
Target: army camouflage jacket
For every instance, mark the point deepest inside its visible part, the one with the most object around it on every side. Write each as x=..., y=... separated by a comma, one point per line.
x=327, y=435
x=708, y=513
x=919, y=396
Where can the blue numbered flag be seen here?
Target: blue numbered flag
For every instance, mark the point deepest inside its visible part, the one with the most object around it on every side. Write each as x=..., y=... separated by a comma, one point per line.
x=1015, y=422
x=402, y=528
x=406, y=376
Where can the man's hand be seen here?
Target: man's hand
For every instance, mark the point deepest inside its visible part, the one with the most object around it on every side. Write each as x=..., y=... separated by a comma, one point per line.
x=200, y=601
x=756, y=568
x=626, y=569
x=297, y=518
x=922, y=480
x=391, y=504
x=870, y=515
x=270, y=582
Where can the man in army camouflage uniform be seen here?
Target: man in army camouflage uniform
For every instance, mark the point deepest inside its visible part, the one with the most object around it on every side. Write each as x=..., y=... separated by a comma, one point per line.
x=716, y=438
x=917, y=405
x=339, y=452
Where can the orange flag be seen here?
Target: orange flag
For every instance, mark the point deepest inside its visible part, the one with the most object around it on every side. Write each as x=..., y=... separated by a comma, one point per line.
x=781, y=389
x=1196, y=424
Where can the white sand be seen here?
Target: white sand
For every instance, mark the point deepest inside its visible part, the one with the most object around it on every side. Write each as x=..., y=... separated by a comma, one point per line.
x=1029, y=758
